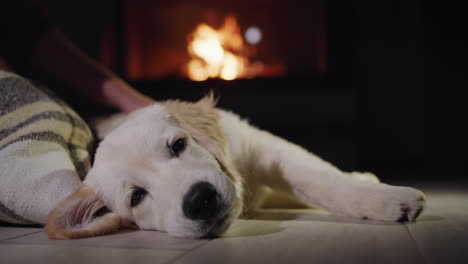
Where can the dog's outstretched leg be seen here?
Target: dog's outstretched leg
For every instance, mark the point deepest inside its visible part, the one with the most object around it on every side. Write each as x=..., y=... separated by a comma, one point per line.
x=267, y=159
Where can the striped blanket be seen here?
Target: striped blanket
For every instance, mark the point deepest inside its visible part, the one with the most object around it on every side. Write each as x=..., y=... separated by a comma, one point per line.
x=43, y=151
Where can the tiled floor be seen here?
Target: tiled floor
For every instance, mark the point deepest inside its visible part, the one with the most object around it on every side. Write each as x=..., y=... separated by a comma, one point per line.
x=273, y=236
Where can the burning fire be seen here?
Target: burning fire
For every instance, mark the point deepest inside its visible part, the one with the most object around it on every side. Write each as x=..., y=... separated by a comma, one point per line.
x=219, y=53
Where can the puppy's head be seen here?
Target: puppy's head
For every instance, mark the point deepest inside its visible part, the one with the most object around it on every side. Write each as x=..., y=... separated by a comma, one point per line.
x=166, y=168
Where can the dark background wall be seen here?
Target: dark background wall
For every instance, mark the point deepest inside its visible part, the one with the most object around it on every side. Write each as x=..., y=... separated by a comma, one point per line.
x=407, y=62
x=391, y=101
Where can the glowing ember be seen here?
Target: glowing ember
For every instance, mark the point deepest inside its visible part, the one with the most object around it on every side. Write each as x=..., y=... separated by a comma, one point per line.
x=219, y=53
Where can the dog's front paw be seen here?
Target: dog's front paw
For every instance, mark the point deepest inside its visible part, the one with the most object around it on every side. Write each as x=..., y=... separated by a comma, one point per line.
x=399, y=204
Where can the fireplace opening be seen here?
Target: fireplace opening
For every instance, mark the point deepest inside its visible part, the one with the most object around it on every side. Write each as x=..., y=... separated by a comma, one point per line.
x=216, y=39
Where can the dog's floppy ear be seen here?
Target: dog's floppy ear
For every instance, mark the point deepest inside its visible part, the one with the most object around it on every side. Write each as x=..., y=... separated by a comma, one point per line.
x=201, y=121
x=82, y=214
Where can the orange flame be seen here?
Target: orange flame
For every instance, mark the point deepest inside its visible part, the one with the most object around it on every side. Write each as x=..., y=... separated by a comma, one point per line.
x=219, y=53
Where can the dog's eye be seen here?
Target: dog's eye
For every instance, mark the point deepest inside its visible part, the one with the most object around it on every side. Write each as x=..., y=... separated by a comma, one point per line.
x=137, y=196
x=177, y=147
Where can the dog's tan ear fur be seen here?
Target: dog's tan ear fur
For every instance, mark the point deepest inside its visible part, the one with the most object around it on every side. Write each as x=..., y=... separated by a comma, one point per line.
x=201, y=121
x=82, y=214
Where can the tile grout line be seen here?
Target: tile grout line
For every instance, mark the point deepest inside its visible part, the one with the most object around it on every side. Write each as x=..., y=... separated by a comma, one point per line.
x=416, y=244
x=187, y=252
x=3, y=240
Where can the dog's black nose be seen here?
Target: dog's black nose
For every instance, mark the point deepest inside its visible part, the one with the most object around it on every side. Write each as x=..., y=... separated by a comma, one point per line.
x=201, y=202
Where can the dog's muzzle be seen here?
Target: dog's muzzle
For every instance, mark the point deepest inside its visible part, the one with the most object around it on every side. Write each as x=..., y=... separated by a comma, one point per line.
x=204, y=204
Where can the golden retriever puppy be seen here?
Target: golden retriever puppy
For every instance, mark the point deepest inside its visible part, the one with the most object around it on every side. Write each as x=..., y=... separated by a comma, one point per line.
x=188, y=168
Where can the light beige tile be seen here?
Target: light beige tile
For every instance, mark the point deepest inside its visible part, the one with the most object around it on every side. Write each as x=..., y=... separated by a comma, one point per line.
x=256, y=241
x=14, y=253
x=126, y=239
x=7, y=232
x=442, y=232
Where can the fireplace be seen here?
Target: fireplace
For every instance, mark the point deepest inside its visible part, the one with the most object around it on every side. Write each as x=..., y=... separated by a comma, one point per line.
x=277, y=38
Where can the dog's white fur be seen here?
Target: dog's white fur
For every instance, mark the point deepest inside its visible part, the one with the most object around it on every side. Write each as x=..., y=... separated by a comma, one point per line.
x=223, y=150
